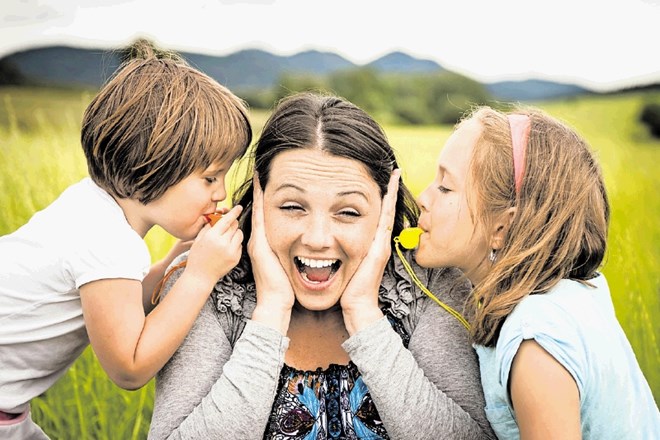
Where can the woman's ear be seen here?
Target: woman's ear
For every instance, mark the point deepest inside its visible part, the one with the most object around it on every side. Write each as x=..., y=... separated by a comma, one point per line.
x=501, y=227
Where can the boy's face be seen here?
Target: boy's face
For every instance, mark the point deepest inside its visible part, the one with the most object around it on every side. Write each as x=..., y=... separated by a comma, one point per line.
x=180, y=211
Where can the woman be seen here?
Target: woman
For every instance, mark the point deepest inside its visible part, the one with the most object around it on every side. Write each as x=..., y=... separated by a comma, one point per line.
x=320, y=333
x=519, y=205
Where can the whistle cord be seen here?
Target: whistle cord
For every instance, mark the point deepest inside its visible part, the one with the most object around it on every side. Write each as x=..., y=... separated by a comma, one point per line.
x=419, y=284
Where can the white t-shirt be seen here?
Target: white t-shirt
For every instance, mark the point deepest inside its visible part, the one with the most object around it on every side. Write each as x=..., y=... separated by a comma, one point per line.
x=577, y=325
x=82, y=236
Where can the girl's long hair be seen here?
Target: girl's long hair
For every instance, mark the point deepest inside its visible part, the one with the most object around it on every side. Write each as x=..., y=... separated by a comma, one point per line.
x=559, y=229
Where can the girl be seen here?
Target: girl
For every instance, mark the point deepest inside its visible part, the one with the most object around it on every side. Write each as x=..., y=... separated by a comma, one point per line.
x=519, y=205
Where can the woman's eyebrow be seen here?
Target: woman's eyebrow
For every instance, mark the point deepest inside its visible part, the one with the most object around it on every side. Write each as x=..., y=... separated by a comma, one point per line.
x=288, y=185
x=351, y=192
x=291, y=186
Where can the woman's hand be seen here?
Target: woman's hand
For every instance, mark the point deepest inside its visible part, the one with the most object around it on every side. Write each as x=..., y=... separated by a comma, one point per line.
x=275, y=296
x=359, y=302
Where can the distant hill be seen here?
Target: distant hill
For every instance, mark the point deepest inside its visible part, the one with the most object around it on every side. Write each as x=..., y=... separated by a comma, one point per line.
x=399, y=62
x=533, y=90
x=64, y=66
x=246, y=69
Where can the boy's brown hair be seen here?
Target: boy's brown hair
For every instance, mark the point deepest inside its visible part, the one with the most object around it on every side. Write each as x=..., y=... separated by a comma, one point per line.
x=156, y=121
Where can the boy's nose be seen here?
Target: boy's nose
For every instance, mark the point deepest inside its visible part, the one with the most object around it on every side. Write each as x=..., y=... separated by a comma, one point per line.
x=219, y=194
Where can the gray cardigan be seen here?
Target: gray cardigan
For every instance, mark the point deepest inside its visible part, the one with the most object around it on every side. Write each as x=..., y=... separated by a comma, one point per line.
x=222, y=381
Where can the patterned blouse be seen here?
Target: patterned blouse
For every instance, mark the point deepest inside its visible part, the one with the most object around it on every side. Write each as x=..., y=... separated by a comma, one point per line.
x=326, y=404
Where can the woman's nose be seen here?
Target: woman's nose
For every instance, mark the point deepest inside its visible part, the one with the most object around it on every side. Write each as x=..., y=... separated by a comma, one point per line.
x=317, y=233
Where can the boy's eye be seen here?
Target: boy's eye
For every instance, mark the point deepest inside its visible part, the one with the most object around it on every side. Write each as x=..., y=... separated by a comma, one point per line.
x=211, y=179
x=290, y=207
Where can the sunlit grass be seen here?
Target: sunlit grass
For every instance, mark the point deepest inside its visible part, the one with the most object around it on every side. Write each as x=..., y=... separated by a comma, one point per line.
x=40, y=156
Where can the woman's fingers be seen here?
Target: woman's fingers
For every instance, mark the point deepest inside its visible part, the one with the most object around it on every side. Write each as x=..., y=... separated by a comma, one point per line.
x=257, y=205
x=388, y=210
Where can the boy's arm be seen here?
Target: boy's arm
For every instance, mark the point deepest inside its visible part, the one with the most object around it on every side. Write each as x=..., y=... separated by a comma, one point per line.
x=157, y=272
x=132, y=347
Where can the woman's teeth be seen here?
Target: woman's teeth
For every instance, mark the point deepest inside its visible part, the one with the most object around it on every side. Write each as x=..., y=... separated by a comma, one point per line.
x=315, y=263
x=316, y=271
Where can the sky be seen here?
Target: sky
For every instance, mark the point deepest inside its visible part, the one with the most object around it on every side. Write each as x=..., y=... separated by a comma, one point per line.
x=599, y=44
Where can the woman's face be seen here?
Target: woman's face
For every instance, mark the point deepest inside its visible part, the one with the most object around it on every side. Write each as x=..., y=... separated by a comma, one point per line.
x=451, y=237
x=321, y=213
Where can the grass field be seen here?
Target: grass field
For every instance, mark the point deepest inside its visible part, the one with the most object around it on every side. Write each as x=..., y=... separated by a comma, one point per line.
x=40, y=156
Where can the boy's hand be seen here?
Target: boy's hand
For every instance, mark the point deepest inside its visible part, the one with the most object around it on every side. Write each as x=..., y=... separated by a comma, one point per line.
x=217, y=249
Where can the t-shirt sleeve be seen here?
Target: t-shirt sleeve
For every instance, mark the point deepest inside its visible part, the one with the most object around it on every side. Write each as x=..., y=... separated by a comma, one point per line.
x=117, y=252
x=547, y=323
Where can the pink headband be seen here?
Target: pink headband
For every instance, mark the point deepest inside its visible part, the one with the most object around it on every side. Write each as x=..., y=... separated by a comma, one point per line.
x=520, y=128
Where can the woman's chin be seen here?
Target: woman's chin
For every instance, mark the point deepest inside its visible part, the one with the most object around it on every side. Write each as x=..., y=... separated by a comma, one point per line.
x=316, y=303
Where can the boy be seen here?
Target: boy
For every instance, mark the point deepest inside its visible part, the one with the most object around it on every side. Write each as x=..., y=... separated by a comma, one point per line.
x=159, y=139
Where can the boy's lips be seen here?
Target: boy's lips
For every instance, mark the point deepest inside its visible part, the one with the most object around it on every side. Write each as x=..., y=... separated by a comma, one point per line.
x=213, y=217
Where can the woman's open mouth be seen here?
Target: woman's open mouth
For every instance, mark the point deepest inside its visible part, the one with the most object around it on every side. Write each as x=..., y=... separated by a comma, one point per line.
x=316, y=271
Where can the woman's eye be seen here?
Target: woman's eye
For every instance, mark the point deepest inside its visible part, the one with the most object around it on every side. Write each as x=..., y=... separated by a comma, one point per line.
x=349, y=213
x=443, y=189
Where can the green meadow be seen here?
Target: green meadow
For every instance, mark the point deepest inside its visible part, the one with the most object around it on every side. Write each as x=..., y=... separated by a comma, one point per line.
x=40, y=156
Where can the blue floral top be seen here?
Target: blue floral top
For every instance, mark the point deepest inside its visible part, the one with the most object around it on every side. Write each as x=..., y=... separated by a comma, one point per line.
x=326, y=404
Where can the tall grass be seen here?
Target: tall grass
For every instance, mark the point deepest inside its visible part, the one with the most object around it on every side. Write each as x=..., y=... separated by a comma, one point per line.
x=40, y=156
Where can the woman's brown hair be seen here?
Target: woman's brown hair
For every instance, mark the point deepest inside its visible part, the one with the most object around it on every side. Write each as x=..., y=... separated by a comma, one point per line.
x=559, y=228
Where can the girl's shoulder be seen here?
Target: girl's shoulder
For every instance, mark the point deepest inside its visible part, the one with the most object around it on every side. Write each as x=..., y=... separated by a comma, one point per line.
x=566, y=297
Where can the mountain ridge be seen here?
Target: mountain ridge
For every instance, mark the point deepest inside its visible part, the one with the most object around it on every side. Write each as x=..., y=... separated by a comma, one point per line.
x=250, y=69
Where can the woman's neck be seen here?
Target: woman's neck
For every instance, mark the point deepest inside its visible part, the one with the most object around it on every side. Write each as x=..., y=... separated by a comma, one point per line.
x=315, y=338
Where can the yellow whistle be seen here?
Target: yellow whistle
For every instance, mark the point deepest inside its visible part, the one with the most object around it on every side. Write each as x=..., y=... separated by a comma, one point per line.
x=409, y=237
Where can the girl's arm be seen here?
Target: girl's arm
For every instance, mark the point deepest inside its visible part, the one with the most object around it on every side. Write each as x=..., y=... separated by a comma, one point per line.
x=132, y=347
x=544, y=395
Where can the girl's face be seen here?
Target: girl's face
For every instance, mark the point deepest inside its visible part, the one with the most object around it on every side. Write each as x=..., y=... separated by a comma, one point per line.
x=180, y=211
x=320, y=214
x=451, y=236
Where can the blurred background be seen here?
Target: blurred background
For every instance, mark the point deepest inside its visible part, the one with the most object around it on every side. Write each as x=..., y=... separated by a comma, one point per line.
x=415, y=66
